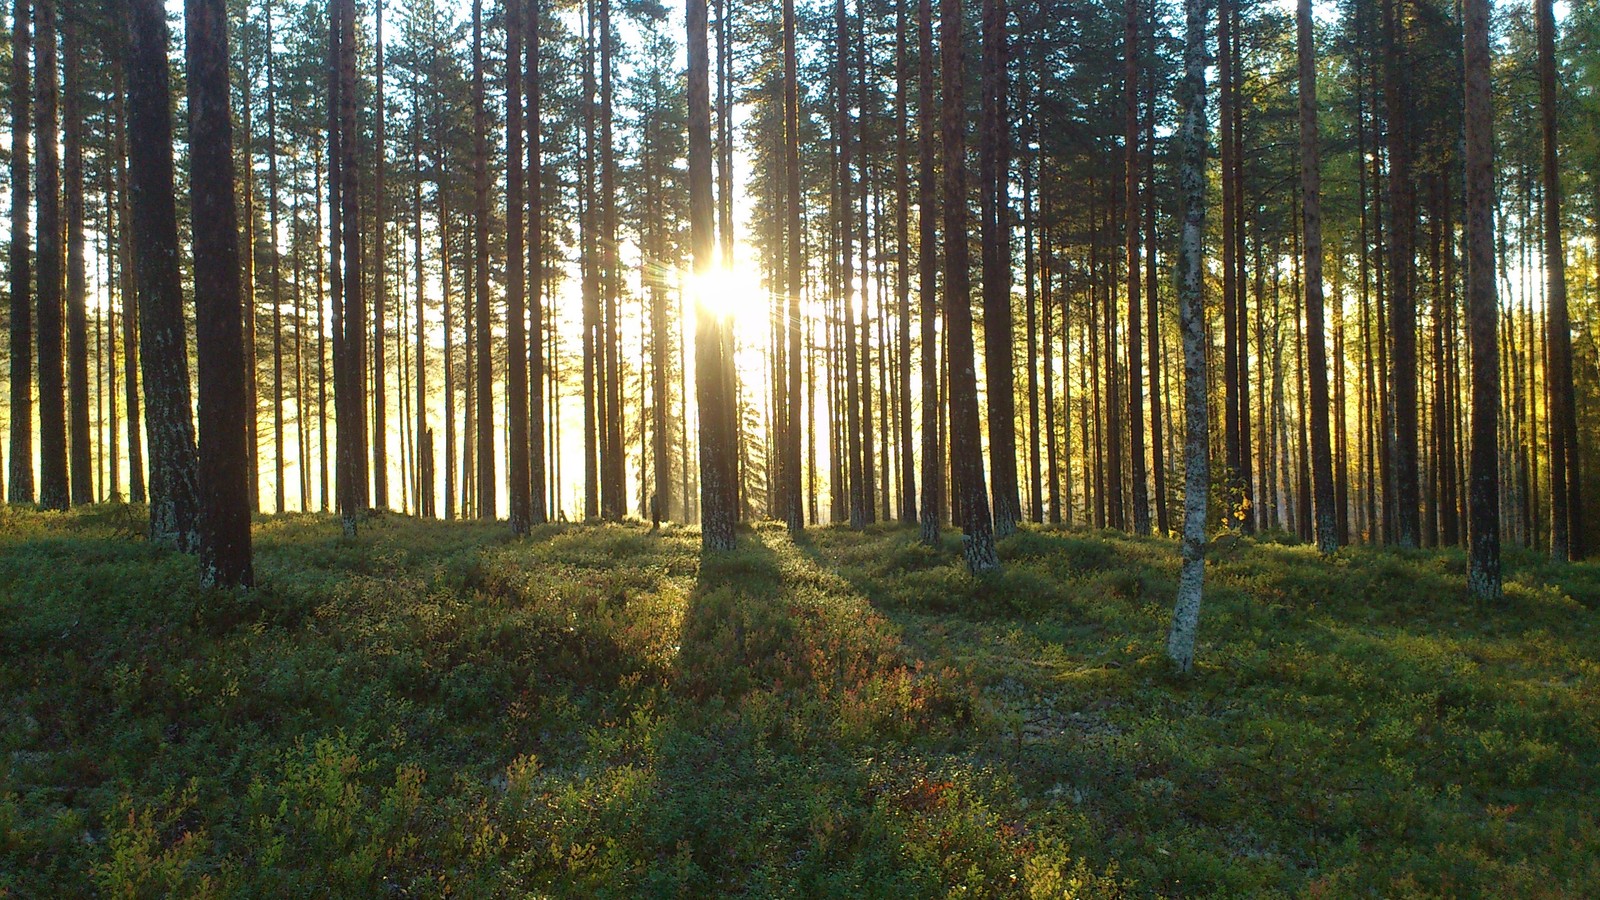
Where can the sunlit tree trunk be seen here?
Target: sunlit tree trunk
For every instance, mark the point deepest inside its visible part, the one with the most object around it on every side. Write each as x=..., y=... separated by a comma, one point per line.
x=538, y=510
x=380, y=279
x=1131, y=237
x=1191, y=302
x=79, y=442
x=484, y=383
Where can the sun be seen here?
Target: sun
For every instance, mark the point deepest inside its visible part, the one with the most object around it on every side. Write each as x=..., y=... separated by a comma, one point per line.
x=733, y=292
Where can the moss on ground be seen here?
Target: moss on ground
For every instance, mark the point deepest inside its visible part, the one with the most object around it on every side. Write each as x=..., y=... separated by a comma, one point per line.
x=435, y=709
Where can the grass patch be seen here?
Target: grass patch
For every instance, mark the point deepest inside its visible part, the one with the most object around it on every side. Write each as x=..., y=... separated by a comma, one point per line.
x=436, y=709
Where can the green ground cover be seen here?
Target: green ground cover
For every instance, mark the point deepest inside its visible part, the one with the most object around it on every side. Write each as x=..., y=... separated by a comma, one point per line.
x=435, y=710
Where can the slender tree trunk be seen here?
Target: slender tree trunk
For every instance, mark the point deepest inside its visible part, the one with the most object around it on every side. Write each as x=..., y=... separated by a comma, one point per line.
x=928, y=277
x=352, y=424
x=18, y=264
x=716, y=506
x=517, y=469
x=164, y=351
x=1402, y=296
x=1131, y=236
x=1566, y=501
x=1483, y=524
x=908, y=466
x=966, y=450
x=1317, y=353
x=484, y=472
x=1235, y=440
x=380, y=279
x=794, y=512
x=225, y=558
x=613, y=458
x=277, y=269
x=1158, y=422
x=994, y=153
x=538, y=510
x=81, y=457
x=53, y=487
x=1192, y=142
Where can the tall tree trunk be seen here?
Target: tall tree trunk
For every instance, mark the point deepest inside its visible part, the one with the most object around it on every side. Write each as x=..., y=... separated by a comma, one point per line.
x=53, y=488
x=1483, y=523
x=225, y=558
x=276, y=275
x=794, y=512
x=1235, y=440
x=538, y=510
x=485, y=370
x=1158, y=421
x=18, y=264
x=966, y=449
x=164, y=351
x=1197, y=480
x=994, y=159
x=1131, y=236
x=380, y=280
x=1402, y=282
x=353, y=416
x=81, y=459
x=907, y=459
x=614, y=454
x=1316, y=350
x=928, y=278
x=517, y=486
x=1566, y=501
x=716, y=506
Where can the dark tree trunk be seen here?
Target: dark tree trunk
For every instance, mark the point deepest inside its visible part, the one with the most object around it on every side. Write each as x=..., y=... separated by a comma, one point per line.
x=53, y=488
x=1316, y=348
x=164, y=351
x=517, y=486
x=352, y=425
x=1402, y=296
x=907, y=459
x=794, y=512
x=1566, y=501
x=966, y=449
x=1483, y=524
x=717, y=507
x=19, y=259
x=276, y=262
x=225, y=558
x=538, y=509
x=484, y=383
x=994, y=165
x=81, y=459
x=380, y=286
x=1131, y=236
x=928, y=278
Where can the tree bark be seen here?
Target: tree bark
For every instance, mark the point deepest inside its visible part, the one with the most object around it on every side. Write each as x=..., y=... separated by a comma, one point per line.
x=1131, y=236
x=1316, y=348
x=79, y=441
x=966, y=450
x=164, y=351
x=1566, y=501
x=1483, y=521
x=517, y=469
x=928, y=278
x=225, y=558
x=53, y=487
x=1192, y=140
x=19, y=265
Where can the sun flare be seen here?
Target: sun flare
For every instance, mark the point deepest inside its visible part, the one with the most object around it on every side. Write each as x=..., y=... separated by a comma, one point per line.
x=735, y=292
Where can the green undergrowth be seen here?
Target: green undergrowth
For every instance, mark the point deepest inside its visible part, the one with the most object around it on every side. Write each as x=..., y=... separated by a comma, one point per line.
x=436, y=709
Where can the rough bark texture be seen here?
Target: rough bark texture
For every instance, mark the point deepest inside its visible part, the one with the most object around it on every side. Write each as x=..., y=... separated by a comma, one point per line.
x=352, y=424
x=1197, y=463
x=1483, y=478
x=164, y=351
x=219, y=314
x=19, y=266
x=1131, y=236
x=1402, y=281
x=966, y=448
x=1316, y=345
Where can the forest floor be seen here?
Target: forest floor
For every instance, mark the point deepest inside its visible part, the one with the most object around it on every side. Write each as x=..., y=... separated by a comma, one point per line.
x=436, y=709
